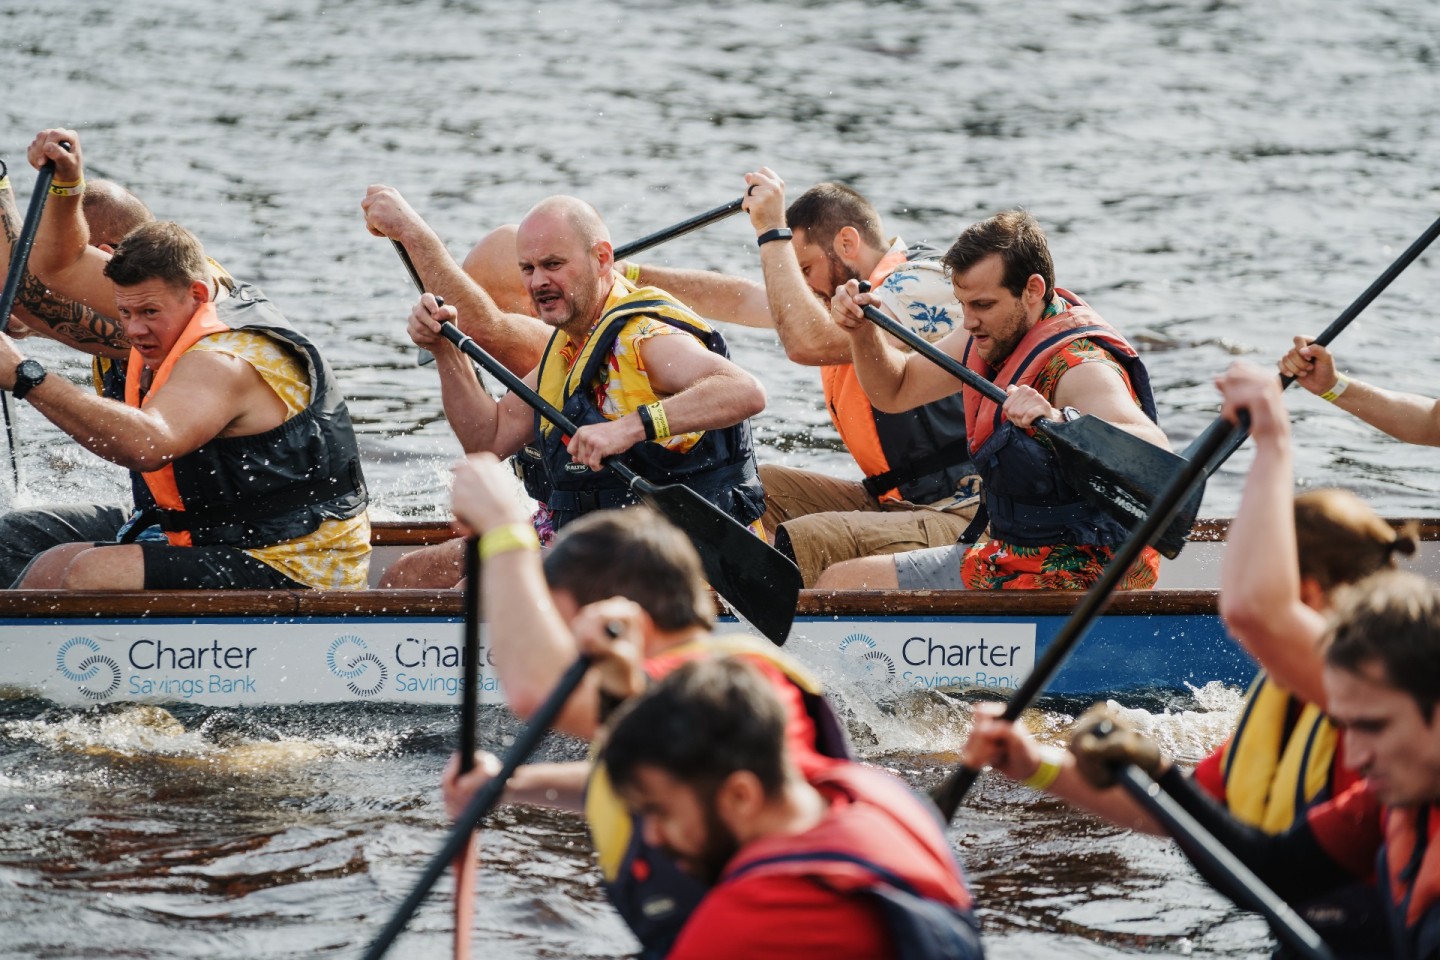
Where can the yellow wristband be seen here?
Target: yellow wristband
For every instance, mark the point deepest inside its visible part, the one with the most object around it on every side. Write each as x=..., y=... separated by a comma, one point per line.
x=1051, y=759
x=657, y=417
x=512, y=536
x=60, y=188
x=4, y=183
x=632, y=272
x=1341, y=383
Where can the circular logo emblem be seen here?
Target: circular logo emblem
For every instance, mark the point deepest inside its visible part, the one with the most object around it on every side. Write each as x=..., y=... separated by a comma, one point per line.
x=876, y=664
x=97, y=675
x=353, y=669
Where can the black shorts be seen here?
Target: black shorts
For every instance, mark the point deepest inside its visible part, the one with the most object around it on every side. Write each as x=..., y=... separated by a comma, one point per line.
x=209, y=568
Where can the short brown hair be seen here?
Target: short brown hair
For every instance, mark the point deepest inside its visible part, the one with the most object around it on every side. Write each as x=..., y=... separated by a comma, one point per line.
x=1017, y=238
x=826, y=208
x=704, y=721
x=1391, y=618
x=1342, y=540
x=159, y=250
x=637, y=554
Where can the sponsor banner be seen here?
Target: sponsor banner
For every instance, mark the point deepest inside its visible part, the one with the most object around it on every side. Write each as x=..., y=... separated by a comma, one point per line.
x=948, y=654
x=239, y=662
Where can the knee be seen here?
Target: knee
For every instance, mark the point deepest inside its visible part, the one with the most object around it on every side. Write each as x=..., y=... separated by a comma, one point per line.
x=861, y=574
x=88, y=570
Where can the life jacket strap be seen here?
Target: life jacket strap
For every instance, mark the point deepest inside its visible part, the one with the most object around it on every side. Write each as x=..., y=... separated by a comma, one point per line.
x=952, y=454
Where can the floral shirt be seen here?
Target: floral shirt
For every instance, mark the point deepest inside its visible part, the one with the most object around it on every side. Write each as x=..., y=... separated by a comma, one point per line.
x=997, y=565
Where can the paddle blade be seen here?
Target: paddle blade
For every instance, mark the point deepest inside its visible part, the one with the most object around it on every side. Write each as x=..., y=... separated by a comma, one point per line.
x=759, y=582
x=1121, y=474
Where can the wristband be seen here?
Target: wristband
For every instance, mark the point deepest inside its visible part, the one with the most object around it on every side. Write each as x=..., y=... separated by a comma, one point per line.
x=507, y=538
x=1342, y=382
x=779, y=233
x=632, y=272
x=658, y=421
x=645, y=421
x=1051, y=759
x=72, y=188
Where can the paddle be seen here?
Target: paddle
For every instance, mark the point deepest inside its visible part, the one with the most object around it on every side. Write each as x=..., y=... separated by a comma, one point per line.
x=480, y=806
x=1347, y=316
x=1212, y=855
x=465, y=862
x=759, y=582
x=19, y=257
x=1177, y=494
x=621, y=252
x=1116, y=471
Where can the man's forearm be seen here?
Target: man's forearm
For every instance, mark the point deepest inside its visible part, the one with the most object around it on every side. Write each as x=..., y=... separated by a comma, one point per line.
x=713, y=402
x=513, y=339
x=472, y=413
x=1405, y=416
x=800, y=318
x=110, y=430
x=713, y=295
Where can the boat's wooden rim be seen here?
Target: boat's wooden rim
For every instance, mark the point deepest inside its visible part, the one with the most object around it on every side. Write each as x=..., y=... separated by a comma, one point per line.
x=419, y=533
x=286, y=604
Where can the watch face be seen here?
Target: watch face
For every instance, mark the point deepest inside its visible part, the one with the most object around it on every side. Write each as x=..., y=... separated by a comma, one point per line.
x=29, y=370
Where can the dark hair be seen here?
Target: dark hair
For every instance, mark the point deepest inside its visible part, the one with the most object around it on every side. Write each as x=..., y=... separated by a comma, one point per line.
x=1391, y=618
x=1019, y=241
x=1342, y=540
x=111, y=211
x=701, y=723
x=826, y=208
x=636, y=554
x=159, y=250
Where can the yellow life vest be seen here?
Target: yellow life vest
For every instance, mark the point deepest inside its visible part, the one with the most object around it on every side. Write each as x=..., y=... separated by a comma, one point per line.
x=1274, y=768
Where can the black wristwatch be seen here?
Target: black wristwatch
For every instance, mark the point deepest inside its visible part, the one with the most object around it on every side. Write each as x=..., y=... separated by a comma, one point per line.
x=28, y=375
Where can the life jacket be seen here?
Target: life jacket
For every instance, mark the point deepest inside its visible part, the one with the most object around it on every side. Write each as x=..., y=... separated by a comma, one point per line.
x=252, y=491
x=652, y=894
x=918, y=455
x=1280, y=760
x=720, y=467
x=1409, y=868
x=882, y=842
x=1027, y=500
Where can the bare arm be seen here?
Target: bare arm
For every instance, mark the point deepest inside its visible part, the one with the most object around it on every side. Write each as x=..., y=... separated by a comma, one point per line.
x=700, y=391
x=1260, y=598
x=1408, y=417
x=62, y=256
x=529, y=642
x=515, y=340
x=207, y=395
x=558, y=785
x=1099, y=390
x=713, y=295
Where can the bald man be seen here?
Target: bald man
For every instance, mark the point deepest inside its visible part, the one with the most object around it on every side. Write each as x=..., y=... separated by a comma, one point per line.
x=633, y=367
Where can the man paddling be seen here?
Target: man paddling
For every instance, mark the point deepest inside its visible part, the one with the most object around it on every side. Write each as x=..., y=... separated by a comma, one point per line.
x=238, y=441
x=918, y=487
x=849, y=864
x=1382, y=684
x=636, y=370
x=1408, y=417
x=632, y=574
x=1058, y=360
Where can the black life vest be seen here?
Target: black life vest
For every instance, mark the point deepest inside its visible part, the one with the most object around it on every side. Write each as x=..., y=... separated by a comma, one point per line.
x=260, y=490
x=720, y=467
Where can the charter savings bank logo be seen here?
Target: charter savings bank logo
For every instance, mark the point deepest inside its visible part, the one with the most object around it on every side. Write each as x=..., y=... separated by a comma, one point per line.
x=80, y=661
x=363, y=672
x=876, y=663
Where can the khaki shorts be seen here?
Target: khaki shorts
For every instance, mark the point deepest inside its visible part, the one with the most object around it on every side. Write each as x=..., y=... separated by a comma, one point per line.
x=820, y=520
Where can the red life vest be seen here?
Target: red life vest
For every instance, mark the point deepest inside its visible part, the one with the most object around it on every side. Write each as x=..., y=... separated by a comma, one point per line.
x=880, y=841
x=1027, y=499
x=1409, y=867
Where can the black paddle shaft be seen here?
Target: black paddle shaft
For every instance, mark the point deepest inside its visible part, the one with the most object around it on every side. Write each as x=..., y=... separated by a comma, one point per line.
x=760, y=583
x=1206, y=851
x=1118, y=472
x=949, y=794
x=1347, y=316
x=679, y=230
x=480, y=806
x=470, y=663
x=19, y=257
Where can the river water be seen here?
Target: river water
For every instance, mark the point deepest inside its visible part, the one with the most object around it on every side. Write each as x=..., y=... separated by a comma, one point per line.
x=1214, y=177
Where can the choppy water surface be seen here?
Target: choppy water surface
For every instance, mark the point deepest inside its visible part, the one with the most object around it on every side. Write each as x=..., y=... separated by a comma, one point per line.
x=1214, y=177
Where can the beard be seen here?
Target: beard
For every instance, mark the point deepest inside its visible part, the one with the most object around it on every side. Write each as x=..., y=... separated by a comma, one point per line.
x=840, y=273
x=719, y=848
x=1004, y=340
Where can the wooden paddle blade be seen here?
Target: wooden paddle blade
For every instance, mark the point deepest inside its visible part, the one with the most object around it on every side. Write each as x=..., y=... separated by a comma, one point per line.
x=1121, y=474
x=758, y=581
